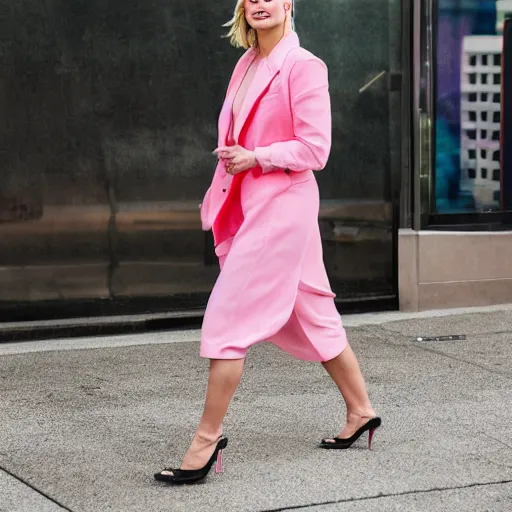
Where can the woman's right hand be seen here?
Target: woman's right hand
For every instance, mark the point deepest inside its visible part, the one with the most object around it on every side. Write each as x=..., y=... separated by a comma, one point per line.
x=236, y=158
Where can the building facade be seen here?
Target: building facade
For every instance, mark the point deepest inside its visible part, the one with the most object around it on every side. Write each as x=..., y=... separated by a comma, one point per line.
x=110, y=118
x=455, y=250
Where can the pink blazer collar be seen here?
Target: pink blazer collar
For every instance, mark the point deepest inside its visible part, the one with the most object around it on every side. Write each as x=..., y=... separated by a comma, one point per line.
x=266, y=72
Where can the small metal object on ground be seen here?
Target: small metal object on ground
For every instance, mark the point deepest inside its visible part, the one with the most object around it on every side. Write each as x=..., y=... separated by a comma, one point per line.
x=451, y=337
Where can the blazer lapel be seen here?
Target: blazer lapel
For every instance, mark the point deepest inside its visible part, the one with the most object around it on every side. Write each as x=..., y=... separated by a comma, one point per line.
x=267, y=71
x=261, y=81
x=226, y=117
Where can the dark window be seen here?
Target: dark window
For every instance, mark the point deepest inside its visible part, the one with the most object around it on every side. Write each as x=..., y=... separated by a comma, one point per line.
x=483, y=115
x=471, y=174
x=472, y=153
x=496, y=97
x=484, y=79
x=484, y=96
x=483, y=134
x=496, y=156
x=472, y=60
x=472, y=96
x=472, y=134
x=472, y=116
x=484, y=173
x=495, y=135
x=496, y=117
x=497, y=79
x=496, y=175
x=484, y=60
x=483, y=153
x=497, y=195
x=497, y=59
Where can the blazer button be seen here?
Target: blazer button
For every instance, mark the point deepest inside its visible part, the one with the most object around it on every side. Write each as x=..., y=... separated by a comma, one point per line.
x=287, y=171
x=223, y=190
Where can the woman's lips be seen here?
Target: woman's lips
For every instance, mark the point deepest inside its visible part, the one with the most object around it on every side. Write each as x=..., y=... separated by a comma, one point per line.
x=261, y=15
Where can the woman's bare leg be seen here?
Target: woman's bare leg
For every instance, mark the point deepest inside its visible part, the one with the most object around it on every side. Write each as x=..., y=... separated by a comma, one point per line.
x=345, y=372
x=223, y=380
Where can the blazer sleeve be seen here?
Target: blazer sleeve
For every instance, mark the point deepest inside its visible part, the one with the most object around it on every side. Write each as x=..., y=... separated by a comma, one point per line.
x=311, y=111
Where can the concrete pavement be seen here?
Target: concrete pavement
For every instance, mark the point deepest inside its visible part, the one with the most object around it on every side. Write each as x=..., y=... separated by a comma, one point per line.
x=86, y=422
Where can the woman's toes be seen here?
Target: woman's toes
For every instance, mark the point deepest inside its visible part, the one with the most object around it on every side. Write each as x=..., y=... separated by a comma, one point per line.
x=167, y=473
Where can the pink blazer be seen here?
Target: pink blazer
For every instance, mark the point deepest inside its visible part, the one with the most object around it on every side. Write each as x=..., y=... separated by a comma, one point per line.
x=285, y=119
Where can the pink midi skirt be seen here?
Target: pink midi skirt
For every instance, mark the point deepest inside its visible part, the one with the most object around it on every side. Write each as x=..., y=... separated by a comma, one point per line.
x=273, y=285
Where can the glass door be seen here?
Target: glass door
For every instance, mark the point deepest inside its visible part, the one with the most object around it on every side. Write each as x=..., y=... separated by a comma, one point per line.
x=361, y=44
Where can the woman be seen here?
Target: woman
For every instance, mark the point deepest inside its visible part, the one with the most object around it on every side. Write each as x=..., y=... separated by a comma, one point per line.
x=274, y=130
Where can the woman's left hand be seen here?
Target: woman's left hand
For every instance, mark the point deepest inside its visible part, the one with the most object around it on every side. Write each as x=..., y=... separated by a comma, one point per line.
x=237, y=158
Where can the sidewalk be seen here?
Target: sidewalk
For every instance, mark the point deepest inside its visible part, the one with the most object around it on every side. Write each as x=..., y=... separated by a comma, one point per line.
x=86, y=422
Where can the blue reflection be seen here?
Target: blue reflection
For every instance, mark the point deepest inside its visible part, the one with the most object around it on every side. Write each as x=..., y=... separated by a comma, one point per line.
x=457, y=19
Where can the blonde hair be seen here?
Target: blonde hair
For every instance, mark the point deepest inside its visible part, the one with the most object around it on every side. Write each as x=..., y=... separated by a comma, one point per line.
x=241, y=34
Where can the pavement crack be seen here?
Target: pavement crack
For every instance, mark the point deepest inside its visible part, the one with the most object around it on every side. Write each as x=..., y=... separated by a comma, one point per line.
x=497, y=440
x=34, y=488
x=390, y=495
x=432, y=350
x=462, y=360
x=484, y=334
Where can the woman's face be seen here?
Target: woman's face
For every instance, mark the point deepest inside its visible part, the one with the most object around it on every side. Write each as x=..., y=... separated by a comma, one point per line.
x=266, y=14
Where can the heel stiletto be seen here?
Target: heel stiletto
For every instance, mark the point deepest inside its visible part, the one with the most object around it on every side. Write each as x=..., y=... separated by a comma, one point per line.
x=192, y=476
x=343, y=444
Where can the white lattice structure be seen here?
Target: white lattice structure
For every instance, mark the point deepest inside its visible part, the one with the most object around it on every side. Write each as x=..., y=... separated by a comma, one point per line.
x=480, y=119
x=503, y=10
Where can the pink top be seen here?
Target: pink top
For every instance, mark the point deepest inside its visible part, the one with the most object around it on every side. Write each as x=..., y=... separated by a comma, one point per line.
x=242, y=93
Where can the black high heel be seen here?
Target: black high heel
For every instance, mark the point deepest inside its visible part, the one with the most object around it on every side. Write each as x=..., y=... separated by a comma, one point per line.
x=192, y=476
x=343, y=444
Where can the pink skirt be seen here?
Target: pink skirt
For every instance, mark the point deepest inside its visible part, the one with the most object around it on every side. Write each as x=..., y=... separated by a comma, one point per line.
x=273, y=285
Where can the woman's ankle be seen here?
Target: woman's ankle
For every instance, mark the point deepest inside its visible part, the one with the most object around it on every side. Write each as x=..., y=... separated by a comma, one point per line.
x=356, y=415
x=208, y=435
